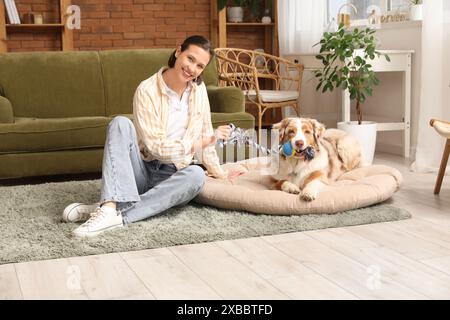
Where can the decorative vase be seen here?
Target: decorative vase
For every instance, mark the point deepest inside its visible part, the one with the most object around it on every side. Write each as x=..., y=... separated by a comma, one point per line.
x=266, y=18
x=235, y=14
x=366, y=134
x=415, y=12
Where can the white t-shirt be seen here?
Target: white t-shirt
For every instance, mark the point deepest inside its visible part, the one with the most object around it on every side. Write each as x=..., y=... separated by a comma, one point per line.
x=177, y=120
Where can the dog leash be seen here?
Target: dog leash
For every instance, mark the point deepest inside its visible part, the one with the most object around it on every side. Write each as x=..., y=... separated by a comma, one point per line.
x=241, y=137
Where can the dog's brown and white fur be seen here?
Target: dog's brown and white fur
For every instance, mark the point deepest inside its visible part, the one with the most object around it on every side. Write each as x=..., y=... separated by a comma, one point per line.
x=336, y=152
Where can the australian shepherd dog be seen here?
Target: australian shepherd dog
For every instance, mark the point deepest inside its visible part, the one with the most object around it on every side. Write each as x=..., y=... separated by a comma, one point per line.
x=319, y=156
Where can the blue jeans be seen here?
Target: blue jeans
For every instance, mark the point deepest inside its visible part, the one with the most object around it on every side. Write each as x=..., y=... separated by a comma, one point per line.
x=142, y=188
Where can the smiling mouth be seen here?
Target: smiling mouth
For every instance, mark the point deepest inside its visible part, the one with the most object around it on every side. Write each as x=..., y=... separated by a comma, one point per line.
x=187, y=74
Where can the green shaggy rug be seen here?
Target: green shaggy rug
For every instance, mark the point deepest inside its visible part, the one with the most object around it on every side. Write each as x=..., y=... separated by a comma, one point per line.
x=31, y=226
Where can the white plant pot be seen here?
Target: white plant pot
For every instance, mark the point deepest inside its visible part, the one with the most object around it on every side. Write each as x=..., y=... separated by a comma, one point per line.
x=366, y=134
x=235, y=14
x=415, y=12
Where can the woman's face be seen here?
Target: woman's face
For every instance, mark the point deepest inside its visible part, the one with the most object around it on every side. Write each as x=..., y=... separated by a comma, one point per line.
x=191, y=62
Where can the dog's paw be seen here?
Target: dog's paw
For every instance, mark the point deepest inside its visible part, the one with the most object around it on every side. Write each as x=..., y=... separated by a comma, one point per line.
x=308, y=194
x=289, y=187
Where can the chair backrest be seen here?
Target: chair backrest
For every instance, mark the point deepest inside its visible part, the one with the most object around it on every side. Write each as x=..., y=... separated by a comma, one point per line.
x=240, y=67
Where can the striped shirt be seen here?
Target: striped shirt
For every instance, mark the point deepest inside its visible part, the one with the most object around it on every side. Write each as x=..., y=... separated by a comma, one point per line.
x=150, y=111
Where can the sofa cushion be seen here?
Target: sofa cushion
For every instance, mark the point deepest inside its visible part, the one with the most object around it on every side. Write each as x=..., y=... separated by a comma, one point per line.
x=53, y=84
x=32, y=134
x=124, y=70
x=226, y=99
x=239, y=119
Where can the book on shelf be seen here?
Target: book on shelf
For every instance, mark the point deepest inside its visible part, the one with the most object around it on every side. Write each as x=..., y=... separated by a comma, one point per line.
x=11, y=9
x=8, y=11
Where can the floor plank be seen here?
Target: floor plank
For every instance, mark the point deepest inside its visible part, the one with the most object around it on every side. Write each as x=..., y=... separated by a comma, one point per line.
x=264, y=259
x=310, y=287
x=49, y=279
x=9, y=284
x=425, y=230
x=441, y=263
x=345, y=272
x=405, y=271
x=288, y=275
x=107, y=277
x=166, y=276
x=401, y=241
x=226, y=275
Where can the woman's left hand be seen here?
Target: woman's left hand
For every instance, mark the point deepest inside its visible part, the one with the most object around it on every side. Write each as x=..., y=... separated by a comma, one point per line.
x=234, y=174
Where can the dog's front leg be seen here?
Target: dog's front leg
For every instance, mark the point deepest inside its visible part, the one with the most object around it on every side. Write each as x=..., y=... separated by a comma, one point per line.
x=312, y=185
x=286, y=186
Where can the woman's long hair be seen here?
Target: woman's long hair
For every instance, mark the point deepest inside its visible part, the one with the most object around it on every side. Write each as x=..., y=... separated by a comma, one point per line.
x=198, y=41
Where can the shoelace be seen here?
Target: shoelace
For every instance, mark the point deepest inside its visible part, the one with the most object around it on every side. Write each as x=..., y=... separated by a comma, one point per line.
x=96, y=216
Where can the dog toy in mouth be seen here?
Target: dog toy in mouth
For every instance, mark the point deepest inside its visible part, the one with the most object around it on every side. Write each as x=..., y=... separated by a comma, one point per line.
x=309, y=153
x=241, y=137
x=288, y=151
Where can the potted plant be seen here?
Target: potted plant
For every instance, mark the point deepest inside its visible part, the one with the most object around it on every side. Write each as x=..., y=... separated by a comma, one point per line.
x=235, y=11
x=415, y=10
x=346, y=57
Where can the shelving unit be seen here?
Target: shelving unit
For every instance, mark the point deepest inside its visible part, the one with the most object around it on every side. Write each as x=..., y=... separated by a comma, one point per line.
x=220, y=35
x=220, y=26
x=65, y=33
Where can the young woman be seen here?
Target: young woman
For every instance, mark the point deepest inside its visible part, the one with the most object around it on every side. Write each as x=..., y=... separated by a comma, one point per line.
x=146, y=163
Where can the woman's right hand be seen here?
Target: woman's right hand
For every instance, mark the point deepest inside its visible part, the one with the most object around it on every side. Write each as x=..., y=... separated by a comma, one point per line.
x=222, y=132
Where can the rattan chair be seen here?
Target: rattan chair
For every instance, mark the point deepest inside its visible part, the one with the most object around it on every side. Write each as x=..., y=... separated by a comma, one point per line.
x=245, y=68
x=443, y=128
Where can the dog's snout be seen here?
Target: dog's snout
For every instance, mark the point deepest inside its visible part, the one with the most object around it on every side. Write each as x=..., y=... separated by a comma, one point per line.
x=299, y=143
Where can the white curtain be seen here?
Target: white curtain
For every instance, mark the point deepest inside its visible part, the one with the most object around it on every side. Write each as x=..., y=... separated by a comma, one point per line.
x=435, y=83
x=300, y=25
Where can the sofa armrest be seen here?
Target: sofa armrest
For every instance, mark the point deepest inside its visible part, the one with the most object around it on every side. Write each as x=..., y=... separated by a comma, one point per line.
x=6, y=111
x=226, y=99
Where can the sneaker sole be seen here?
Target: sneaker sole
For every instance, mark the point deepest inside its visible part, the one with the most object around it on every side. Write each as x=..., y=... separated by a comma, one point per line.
x=95, y=233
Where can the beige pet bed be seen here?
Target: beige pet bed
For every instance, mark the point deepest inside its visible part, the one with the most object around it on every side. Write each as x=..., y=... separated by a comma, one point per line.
x=355, y=189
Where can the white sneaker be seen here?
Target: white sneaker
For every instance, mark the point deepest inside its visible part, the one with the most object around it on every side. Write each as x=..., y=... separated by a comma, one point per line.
x=102, y=219
x=78, y=212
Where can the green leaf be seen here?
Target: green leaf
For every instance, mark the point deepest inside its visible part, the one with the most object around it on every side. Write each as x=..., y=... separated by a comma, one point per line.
x=221, y=4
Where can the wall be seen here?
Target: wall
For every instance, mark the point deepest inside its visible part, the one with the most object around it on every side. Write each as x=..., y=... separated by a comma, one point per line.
x=383, y=105
x=118, y=24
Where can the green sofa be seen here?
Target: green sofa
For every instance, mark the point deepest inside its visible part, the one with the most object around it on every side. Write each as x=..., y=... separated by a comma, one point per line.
x=55, y=106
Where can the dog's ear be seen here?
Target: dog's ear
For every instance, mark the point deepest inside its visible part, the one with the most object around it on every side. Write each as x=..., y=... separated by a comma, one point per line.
x=281, y=127
x=319, y=129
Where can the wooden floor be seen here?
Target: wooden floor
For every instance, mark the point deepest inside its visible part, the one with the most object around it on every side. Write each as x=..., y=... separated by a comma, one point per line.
x=407, y=259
